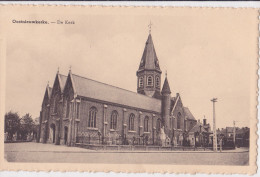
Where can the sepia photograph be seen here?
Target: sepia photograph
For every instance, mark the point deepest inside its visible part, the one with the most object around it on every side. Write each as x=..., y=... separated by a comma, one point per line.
x=144, y=86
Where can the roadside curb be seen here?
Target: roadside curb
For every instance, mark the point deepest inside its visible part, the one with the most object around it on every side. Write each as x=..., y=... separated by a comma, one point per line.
x=93, y=151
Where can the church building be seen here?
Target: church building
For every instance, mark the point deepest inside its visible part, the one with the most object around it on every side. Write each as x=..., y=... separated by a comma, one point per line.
x=77, y=109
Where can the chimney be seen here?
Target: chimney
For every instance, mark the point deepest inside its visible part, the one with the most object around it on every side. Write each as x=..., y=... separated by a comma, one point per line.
x=204, y=121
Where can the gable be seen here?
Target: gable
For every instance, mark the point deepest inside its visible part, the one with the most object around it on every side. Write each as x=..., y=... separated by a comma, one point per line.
x=62, y=81
x=177, y=105
x=56, y=87
x=46, y=97
x=69, y=88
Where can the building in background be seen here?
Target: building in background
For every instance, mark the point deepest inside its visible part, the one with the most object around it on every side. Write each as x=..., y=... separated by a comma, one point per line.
x=241, y=136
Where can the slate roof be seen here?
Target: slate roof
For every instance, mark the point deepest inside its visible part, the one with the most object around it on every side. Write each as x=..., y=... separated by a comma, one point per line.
x=62, y=81
x=188, y=113
x=149, y=59
x=97, y=90
x=166, y=87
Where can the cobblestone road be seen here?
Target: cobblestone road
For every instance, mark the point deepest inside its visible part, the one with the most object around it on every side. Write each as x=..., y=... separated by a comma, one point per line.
x=37, y=152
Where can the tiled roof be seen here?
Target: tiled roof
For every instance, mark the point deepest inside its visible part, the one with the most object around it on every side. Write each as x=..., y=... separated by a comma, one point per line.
x=93, y=89
x=188, y=113
x=62, y=81
x=149, y=59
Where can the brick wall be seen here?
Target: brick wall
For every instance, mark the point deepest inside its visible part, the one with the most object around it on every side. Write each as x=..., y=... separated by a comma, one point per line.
x=104, y=111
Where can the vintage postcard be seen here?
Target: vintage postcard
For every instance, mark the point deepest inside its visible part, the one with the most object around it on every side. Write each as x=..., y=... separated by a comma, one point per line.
x=129, y=89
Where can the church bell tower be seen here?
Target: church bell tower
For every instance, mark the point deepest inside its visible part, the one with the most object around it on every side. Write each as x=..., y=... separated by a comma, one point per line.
x=149, y=72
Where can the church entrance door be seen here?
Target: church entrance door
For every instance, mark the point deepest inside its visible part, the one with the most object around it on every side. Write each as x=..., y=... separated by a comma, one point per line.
x=65, y=134
x=53, y=133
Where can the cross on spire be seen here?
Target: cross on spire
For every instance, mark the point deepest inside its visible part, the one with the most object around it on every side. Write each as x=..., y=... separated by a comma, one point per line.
x=70, y=69
x=150, y=27
x=166, y=73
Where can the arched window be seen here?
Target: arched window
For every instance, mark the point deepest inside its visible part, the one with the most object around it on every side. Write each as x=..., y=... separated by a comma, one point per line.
x=146, y=123
x=158, y=124
x=141, y=82
x=92, y=117
x=149, y=81
x=131, y=122
x=157, y=81
x=113, y=121
x=68, y=108
x=179, y=120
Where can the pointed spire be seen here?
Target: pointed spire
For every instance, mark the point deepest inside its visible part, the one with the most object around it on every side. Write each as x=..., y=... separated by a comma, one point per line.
x=58, y=70
x=166, y=87
x=149, y=59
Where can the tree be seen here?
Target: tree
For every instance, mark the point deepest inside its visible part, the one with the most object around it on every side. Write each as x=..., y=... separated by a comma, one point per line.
x=36, y=127
x=12, y=124
x=27, y=126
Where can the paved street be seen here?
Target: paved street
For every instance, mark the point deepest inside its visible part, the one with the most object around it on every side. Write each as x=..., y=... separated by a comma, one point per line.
x=37, y=152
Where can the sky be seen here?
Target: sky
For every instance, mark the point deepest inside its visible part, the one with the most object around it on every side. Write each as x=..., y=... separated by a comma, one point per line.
x=207, y=53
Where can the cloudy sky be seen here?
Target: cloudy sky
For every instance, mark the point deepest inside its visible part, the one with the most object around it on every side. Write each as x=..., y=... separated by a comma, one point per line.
x=207, y=53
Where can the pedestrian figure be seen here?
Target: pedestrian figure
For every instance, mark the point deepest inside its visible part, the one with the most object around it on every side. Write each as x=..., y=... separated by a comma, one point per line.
x=220, y=144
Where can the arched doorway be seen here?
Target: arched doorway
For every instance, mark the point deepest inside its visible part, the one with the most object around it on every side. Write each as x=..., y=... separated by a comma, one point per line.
x=65, y=135
x=52, y=133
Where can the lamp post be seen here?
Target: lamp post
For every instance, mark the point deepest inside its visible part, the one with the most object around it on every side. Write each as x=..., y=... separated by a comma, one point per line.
x=215, y=145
